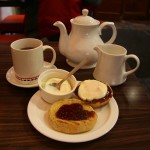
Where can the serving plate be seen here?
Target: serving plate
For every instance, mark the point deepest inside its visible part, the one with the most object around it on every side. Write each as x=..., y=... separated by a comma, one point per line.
x=37, y=111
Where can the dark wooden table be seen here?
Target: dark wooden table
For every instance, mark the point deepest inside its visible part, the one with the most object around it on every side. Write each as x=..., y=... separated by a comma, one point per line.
x=132, y=129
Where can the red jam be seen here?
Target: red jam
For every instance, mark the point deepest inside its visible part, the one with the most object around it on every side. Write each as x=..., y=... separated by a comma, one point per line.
x=73, y=112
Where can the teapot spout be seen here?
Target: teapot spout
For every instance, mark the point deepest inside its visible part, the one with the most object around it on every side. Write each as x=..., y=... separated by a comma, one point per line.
x=63, y=39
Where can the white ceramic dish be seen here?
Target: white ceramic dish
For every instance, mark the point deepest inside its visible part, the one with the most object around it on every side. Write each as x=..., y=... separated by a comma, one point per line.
x=55, y=73
x=37, y=112
x=84, y=67
x=10, y=76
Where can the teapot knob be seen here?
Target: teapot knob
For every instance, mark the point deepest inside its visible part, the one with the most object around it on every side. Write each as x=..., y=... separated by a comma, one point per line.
x=85, y=12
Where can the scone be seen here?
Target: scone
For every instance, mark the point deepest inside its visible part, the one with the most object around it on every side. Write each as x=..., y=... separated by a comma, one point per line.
x=94, y=93
x=71, y=116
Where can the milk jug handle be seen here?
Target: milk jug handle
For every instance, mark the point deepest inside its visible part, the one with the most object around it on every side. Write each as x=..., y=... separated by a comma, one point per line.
x=114, y=31
x=137, y=64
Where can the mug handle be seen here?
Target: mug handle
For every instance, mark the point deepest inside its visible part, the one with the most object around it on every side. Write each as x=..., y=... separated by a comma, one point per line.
x=47, y=47
x=137, y=65
x=114, y=34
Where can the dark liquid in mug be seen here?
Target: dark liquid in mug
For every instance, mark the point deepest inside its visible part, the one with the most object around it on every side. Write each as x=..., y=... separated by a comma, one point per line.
x=27, y=48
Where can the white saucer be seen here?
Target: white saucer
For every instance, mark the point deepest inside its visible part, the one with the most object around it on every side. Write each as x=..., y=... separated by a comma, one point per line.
x=10, y=76
x=84, y=67
x=37, y=112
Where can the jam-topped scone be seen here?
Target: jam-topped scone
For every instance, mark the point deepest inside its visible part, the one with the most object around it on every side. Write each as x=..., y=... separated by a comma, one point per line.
x=71, y=116
x=94, y=93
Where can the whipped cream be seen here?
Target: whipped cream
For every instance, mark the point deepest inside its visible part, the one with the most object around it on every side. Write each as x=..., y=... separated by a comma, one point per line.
x=92, y=89
x=64, y=88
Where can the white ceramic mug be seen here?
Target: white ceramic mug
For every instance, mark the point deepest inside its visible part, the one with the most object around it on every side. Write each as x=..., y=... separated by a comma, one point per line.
x=111, y=65
x=28, y=59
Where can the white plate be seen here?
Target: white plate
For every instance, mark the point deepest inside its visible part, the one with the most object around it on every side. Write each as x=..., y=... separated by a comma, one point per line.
x=37, y=112
x=84, y=67
x=10, y=76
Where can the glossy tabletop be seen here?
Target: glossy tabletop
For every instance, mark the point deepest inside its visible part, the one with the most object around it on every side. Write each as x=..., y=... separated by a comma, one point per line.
x=132, y=129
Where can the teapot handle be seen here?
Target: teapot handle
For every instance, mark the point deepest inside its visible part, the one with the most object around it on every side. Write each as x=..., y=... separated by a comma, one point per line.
x=114, y=33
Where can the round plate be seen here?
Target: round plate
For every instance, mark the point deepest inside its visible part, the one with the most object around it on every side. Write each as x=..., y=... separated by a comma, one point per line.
x=38, y=115
x=10, y=76
x=84, y=67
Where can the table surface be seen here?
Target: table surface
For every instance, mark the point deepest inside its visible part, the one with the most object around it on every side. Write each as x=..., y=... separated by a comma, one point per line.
x=132, y=129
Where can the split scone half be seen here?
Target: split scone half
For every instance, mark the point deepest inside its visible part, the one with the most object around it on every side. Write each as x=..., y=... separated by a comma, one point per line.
x=71, y=116
x=94, y=93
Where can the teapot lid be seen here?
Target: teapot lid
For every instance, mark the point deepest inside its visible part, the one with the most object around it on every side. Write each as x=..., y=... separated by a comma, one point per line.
x=84, y=19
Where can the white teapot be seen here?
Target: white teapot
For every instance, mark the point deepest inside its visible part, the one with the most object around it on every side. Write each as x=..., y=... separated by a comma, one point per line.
x=84, y=36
